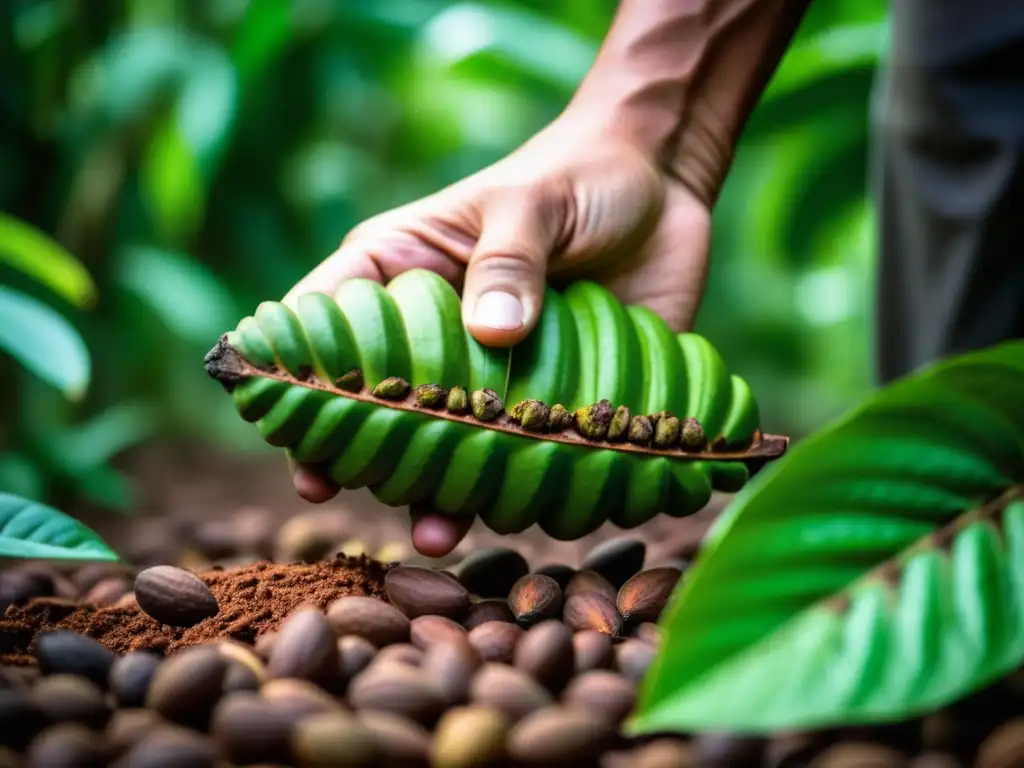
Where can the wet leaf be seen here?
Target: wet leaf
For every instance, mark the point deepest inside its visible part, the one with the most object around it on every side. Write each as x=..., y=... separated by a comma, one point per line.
x=32, y=530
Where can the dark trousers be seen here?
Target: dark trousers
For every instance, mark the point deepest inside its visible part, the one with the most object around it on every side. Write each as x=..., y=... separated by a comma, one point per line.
x=948, y=175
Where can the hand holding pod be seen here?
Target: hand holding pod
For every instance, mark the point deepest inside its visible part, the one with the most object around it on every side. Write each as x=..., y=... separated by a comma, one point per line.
x=602, y=413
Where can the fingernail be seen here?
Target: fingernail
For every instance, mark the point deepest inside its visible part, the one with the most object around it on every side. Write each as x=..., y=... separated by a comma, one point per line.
x=498, y=310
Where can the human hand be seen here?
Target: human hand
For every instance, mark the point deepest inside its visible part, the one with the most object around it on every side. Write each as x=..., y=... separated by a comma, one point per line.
x=572, y=202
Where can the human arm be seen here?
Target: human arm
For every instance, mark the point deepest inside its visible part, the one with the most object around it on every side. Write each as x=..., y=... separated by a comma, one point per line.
x=617, y=189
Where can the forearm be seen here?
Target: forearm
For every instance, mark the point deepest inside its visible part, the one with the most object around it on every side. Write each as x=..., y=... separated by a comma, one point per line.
x=680, y=77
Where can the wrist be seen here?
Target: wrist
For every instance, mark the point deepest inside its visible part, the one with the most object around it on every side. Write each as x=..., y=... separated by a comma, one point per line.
x=679, y=78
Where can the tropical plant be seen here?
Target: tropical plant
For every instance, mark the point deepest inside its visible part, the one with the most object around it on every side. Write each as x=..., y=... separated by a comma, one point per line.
x=885, y=554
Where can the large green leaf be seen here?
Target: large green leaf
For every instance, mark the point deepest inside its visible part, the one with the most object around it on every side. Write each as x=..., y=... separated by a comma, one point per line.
x=42, y=258
x=32, y=530
x=868, y=575
x=44, y=342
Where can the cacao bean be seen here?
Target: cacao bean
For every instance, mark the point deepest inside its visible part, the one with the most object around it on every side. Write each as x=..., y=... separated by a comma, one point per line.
x=68, y=745
x=299, y=698
x=424, y=631
x=508, y=690
x=1004, y=747
x=496, y=640
x=593, y=650
x=249, y=729
x=355, y=653
x=559, y=736
x=546, y=653
x=61, y=652
x=187, y=686
x=450, y=668
x=306, y=648
x=127, y=727
x=605, y=693
x=71, y=699
x=534, y=598
x=468, y=737
x=402, y=742
x=643, y=597
x=173, y=596
x=491, y=609
x=398, y=689
x=590, y=610
x=169, y=746
x=491, y=572
x=633, y=658
x=583, y=582
x=130, y=677
x=560, y=572
x=419, y=591
x=334, y=740
x=865, y=755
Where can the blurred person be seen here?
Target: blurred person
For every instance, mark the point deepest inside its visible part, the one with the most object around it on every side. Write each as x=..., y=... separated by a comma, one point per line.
x=620, y=187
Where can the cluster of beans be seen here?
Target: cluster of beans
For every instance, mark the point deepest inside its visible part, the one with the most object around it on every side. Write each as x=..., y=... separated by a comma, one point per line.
x=488, y=663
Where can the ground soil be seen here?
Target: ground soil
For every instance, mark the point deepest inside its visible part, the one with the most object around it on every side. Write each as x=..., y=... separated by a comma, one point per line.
x=253, y=599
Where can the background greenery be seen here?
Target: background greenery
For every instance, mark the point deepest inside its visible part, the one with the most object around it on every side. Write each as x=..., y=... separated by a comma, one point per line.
x=198, y=157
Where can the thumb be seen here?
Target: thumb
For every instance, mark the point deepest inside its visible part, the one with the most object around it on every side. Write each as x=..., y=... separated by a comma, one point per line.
x=504, y=287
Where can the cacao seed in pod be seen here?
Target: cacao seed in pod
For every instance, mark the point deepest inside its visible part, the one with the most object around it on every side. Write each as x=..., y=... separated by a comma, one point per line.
x=424, y=631
x=546, y=653
x=61, y=652
x=491, y=609
x=583, y=582
x=368, y=617
x=534, y=598
x=590, y=610
x=174, y=596
x=491, y=572
x=496, y=640
x=508, y=690
x=398, y=689
x=593, y=650
x=470, y=737
x=606, y=694
x=130, y=677
x=559, y=736
x=419, y=591
x=616, y=559
x=306, y=648
x=1004, y=747
x=450, y=668
x=187, y=686
x=644, y=596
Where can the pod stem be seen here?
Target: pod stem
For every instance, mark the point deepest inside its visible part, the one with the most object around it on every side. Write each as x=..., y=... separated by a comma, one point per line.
x=228, y=367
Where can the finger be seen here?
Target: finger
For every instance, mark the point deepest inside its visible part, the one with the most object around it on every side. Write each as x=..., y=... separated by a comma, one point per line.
x=312, y=485
x=435, y=535
x=505, y=278
x=378, y=257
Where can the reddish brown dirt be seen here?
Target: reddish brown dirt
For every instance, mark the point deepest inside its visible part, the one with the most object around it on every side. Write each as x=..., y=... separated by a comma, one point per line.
x=253, y=599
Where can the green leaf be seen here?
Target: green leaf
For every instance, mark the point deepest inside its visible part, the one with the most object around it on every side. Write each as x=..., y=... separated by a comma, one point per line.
x=44, y=342
x=42, y=258
x=866, y=576
x=32, y=530
x=172, y=184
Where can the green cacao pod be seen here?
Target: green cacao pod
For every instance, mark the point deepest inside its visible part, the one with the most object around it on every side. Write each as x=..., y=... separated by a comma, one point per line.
x=610, y=416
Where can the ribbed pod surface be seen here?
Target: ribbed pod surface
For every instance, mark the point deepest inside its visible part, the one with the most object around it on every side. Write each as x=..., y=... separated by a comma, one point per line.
x=586, y=347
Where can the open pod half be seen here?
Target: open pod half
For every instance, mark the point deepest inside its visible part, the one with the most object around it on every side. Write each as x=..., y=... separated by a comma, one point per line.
x=602, y=413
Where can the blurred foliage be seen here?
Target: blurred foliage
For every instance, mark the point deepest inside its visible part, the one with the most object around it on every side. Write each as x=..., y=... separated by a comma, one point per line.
x=199, y=156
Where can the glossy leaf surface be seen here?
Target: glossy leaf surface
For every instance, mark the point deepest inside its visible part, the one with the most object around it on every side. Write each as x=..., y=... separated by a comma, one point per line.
x=874, y=573
x=36, y=531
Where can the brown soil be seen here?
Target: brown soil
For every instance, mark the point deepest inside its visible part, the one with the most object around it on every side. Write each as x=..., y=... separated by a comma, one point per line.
x=253, y=599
